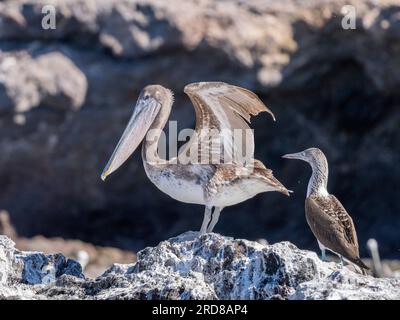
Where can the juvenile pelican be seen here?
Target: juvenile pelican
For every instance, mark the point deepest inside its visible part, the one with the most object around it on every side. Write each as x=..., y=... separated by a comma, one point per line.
x=220, y=107
x=327, y=218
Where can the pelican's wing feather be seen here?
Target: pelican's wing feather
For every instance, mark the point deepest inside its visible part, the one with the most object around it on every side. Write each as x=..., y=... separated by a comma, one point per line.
x=222, y=108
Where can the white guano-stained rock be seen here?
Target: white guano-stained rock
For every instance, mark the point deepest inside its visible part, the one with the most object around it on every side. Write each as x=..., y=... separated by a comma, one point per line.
x=191, y=267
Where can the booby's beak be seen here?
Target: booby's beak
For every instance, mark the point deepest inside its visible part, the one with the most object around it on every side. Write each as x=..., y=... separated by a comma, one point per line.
x=146, y=110
x=298, y=155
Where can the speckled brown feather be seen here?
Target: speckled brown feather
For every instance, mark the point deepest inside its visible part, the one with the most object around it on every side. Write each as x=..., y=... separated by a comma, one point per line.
x=333, y=226
x=265, y=174
x=226, y=174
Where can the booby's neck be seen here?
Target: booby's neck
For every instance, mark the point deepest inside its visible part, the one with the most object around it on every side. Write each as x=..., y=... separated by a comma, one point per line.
x=150, y=144
x=319, y=179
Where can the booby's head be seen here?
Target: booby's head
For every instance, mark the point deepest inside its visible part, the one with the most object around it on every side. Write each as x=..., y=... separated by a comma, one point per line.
x=317, y=160
x=313, y=156
x=151, y=99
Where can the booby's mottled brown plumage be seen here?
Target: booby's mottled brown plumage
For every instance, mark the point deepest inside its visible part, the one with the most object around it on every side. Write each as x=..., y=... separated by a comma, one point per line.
x=333, y=227
x=326, y=216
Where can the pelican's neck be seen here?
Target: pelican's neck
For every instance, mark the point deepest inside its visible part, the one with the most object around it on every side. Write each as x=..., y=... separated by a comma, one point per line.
x=150, y=144
x=319, y=179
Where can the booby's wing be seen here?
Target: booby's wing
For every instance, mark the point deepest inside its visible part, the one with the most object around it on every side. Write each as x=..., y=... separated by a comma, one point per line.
x=339, y=212
x=223, y=112
x=333, y=226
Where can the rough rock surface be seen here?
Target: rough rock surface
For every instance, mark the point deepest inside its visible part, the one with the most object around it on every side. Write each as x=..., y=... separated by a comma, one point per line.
x=329, y=87
x=50, y=80
x=191, y=267
x=93, y=259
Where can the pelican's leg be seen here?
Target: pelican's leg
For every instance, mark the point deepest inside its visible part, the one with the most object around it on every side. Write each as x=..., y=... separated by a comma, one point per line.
x=206, y=220
x=214, y=219
x=322, y=248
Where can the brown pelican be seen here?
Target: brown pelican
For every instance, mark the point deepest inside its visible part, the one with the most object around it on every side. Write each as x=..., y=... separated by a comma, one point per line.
x=220, y=107
x=327, y=218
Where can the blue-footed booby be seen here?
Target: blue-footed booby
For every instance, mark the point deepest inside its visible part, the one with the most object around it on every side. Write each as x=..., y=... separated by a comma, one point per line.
x=326, y=216
x=220, y=107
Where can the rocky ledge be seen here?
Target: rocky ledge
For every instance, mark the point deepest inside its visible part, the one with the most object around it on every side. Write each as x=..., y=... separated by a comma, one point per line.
x=66, y=95
x=190, y=267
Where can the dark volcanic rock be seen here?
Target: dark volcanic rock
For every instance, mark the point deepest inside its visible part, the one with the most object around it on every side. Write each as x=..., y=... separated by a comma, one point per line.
x=93, y=259
x=191, y=267
x=49, y=80
x=66, y=94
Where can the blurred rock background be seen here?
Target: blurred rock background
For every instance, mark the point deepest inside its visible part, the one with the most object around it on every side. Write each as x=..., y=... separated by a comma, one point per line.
x=66, y=95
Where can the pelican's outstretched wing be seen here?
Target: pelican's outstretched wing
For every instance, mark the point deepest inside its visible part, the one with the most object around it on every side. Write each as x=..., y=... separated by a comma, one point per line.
x=223, y=112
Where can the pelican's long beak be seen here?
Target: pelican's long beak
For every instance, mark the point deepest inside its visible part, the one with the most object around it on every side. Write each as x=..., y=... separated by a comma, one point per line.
x=145, y=112
x=298, y=155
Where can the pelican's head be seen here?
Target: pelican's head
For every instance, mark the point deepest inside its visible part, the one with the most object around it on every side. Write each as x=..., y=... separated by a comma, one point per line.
x=312, y=155
x=148, y=106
